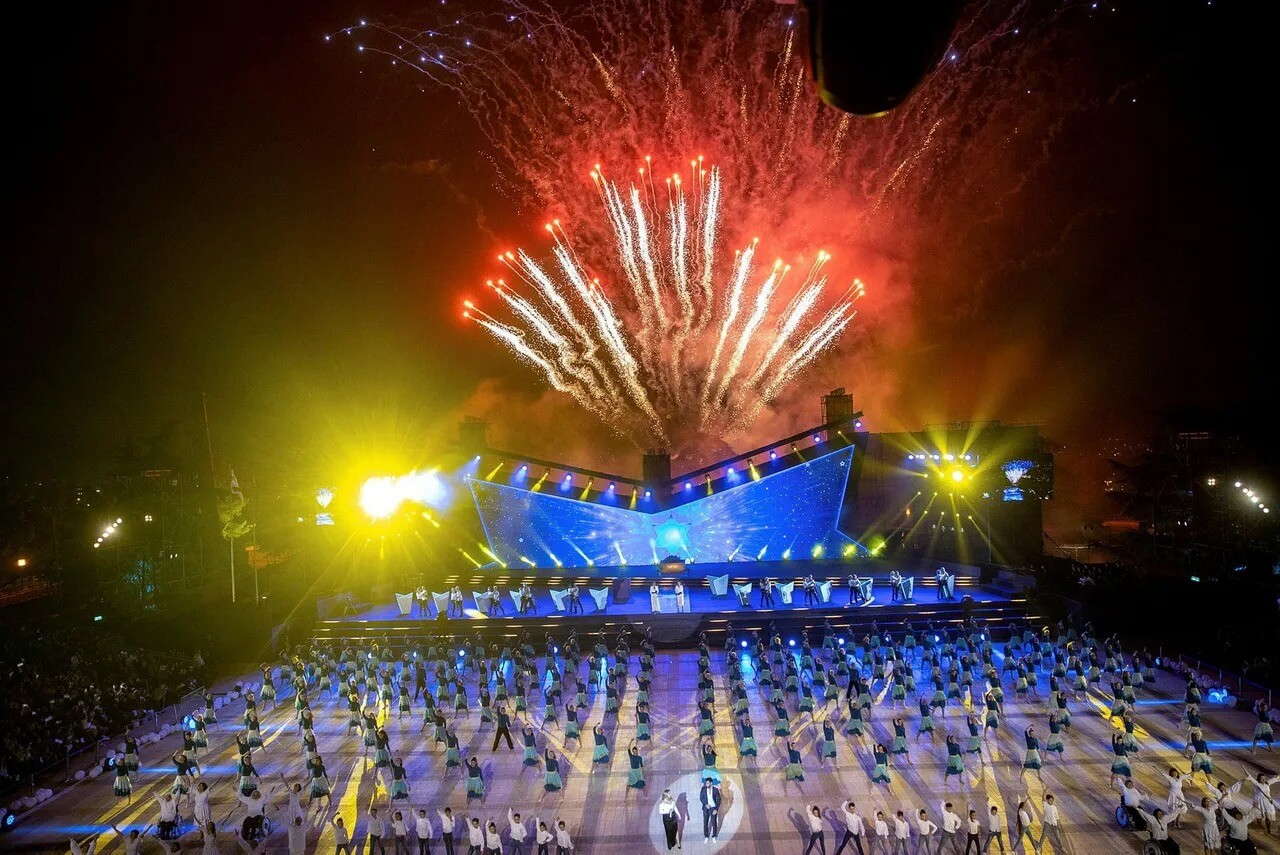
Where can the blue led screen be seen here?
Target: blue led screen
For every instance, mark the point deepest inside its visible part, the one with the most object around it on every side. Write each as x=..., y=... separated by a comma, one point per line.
x=782, y=515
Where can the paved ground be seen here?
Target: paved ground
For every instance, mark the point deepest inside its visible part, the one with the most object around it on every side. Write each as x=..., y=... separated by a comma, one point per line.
x=760, y=814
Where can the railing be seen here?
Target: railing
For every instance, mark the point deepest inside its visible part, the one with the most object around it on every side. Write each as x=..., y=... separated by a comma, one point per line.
x=137, y=729
x=1225, y=677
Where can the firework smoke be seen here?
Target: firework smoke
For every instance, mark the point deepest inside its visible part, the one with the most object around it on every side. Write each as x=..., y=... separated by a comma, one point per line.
x=678, y=341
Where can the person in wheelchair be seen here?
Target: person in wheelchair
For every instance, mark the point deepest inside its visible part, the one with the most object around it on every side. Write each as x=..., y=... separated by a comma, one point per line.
x=167, y=825
x=1130, y=806
x=1158, y=824
x=1238, y=830
x=254, y=825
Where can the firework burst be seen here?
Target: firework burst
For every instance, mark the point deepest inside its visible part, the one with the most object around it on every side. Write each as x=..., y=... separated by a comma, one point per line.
x=691, y=344
x=683, y=339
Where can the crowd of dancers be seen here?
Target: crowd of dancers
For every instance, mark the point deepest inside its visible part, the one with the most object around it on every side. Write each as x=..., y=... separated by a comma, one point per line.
x=925, y=690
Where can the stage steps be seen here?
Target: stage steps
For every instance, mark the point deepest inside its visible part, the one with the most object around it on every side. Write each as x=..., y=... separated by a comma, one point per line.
x=683, y=629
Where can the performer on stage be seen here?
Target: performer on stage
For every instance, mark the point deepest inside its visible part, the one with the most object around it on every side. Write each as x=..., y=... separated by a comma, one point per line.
x=670, y=819
x=855, y=596
x=766, y=593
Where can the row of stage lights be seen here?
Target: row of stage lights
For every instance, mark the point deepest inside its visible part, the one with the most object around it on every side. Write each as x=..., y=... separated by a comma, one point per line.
x=1252, y=496
x=732, y=474
x=107, y=532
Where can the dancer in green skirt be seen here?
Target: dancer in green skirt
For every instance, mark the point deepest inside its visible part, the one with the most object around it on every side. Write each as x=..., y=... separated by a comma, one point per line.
x=475, y=783
x=635, y=777
x=551, y=780
x=601, y=752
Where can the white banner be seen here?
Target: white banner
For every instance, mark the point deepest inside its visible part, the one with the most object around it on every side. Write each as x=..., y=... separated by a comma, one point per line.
x=601, y=596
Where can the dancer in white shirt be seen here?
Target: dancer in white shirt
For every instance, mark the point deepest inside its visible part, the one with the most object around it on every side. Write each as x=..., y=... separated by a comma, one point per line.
x=564, y=843
x=475, y=836
x=448, y=825
x=492, y=839
x=544, y=838
x=816, y=834
x=1238, y=829
x=1176, y=803
x=654, y=605
x=925, y=831
x=853, y=826
x=881, y=839
x=995, y=829
x=901, y=834
x=670, y=819
x=1158, y=824
x=1210, y=834
x=973, y=829
x=951, y=824
x=1026, y=836
x=518, y=832
x=1262, y=802
x=424, y=831
x=1051, y=826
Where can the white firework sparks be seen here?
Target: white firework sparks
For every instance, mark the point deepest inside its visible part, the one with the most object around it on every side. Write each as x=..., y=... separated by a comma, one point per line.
x=683, y=348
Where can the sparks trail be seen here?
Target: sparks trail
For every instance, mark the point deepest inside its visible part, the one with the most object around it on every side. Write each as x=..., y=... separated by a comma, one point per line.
x=635, y=359
x=665, y=347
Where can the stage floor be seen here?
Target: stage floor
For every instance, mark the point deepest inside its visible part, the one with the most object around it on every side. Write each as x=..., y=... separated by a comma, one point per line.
x=700, y=599
x=762, y=811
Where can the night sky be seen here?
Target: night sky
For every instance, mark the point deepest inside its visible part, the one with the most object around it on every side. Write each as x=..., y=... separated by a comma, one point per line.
x=212, y=199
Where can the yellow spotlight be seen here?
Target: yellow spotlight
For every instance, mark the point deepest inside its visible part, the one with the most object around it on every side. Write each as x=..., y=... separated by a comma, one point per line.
x=527, y=561
x=22, y=562
x=379, y=498
x=494, y=471
x=817, y=551
x=586, y=491
x=538, y=486
x=957, y=475
x=849, y=550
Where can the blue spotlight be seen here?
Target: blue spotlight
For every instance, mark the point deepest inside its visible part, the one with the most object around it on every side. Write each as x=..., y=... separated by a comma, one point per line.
x=612, y=487
x=791, y=641
x=840, y=641
x=462, y=653
x=647, y=494
x=773, y=455
x=688, y=485
x=817, y=437
x=857, y=424
x=744, y=645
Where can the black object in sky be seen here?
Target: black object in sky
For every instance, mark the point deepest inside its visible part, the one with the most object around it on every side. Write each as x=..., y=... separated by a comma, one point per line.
x=868, y=55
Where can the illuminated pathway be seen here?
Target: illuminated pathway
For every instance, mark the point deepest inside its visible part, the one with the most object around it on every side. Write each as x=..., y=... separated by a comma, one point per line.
x=605, y=816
